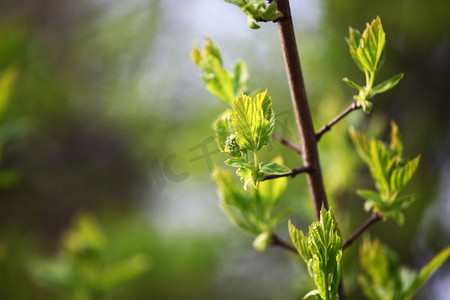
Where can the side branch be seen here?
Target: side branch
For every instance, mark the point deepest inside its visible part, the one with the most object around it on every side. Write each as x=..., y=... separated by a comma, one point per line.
x=327, y=127
x=372, y=219
x=287, y=143
x=294, y=172
x=276, y=241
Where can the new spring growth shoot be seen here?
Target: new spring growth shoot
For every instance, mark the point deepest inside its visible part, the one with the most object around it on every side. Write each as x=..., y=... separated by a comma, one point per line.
x=390, y=172
x=322, y=252
x=367, y=50
x=257, y=10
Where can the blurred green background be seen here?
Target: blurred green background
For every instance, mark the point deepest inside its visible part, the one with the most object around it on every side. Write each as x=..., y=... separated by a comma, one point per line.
x=107, y=147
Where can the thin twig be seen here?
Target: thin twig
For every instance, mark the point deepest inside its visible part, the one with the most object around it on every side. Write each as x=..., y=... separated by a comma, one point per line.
x=287, y=143
x=294, y=172
x=328, y=126
x=372, y=219
x=276, y=241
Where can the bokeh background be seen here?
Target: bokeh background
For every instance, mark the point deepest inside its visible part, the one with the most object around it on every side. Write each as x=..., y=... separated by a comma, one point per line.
x=107, y=147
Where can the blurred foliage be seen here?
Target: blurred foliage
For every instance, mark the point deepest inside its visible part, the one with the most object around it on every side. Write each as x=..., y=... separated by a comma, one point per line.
x=103, y=116
x=81, y=271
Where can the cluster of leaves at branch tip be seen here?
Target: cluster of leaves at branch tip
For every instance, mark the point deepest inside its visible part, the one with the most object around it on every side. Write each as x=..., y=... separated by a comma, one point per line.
x=221, y=83
x=384, y=278
x=322, y=252
x=390, y=172
x=257, y=10
x=242, y=131
x=367, y=50
x=246, y=129
x=254, y=211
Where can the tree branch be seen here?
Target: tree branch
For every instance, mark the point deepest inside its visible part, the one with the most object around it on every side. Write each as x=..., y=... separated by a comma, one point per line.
x=328, y=126
x=294, y=172
x=372, y=219
x=287, y=143
x=276, y=241
x=301, y=107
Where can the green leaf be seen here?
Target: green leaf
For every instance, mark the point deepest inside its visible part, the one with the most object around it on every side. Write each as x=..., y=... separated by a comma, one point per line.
x=257, y=10
x=271, y=190
x=401, y=176
x=428, y=270
x=371, y=46
x=378, y=165
x=352, y=84
x=223, y=128
x=396, y=144
x=239, y=163
x=219, y=82
x=300, y=242
x=353, y=42
x=362, y=144
x=275, y=169
x=240, y=76
x=236, y=204
x=385, y=85
x=253, y=120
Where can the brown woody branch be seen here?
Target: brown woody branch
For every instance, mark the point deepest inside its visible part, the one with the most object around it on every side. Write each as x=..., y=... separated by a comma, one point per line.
x=372, y=219
x=301, y=107
x=328, y=126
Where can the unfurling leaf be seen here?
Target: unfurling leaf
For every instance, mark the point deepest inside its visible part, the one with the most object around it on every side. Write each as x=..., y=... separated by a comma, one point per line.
x=219, y=82
x=322, y=252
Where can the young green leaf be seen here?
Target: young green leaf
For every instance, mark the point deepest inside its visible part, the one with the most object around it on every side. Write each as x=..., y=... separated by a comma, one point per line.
x=275, y=169
x=396, y=144
x=385, y=85
x=401, y=176
x=253, y=120
x=219, y=82
x=257, y=10
x=367, y=50
x=371, y=45
x=427, y=271
x=223, y=128
x=353, y=84
x=322, y=252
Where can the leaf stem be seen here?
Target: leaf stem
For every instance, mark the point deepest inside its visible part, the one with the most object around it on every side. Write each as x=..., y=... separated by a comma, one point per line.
x=301, y=107
x=327, y=127
x=294, y=172
x=287, y=143
x=372, y=219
